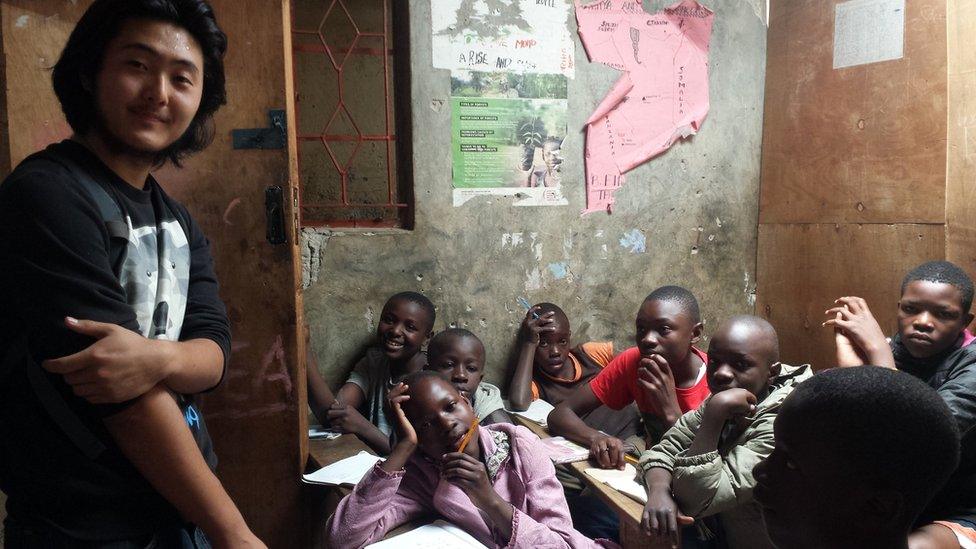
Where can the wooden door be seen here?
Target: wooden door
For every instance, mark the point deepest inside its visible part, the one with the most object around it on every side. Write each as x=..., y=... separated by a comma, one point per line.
x=258, y=416
x=853, y=172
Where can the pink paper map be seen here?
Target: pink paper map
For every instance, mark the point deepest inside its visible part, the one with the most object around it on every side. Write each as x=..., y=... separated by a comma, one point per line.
x=662, y=95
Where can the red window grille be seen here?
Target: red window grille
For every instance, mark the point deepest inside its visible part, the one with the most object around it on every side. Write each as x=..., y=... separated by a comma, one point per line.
x=351, y=81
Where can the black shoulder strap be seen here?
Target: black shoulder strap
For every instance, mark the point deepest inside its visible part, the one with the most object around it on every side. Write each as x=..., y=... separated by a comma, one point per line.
x=18, y=352
x=112, y=215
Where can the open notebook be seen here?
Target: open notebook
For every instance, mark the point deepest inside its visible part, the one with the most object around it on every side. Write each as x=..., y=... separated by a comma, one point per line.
x=623, y=481
x=439, y=534
x=538, y=411
x=345, y=472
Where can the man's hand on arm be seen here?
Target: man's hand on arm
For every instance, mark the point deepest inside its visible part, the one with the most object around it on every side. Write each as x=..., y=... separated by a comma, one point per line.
x=122, y=365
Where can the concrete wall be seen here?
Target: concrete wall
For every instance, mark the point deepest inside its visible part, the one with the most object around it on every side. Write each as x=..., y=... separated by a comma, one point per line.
x=695, y=208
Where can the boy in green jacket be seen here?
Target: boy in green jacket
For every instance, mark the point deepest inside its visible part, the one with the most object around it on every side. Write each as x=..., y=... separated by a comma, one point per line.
x=703, y=465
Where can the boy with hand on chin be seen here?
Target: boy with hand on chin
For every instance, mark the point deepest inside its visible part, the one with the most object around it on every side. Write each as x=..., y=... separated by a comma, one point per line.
x=703, y=465
x=932, y=344
x=664, y=374
x=360, y=407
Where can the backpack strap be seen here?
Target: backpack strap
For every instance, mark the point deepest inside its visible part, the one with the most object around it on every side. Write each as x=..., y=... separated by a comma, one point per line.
x=18, y=352
x=112, y=216
x=51, y=400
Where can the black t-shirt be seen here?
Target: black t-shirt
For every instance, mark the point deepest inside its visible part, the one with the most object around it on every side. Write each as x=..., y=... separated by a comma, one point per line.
x=55, y=257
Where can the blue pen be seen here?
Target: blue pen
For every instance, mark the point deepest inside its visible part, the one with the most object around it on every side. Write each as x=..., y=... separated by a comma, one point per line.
x=523, y=302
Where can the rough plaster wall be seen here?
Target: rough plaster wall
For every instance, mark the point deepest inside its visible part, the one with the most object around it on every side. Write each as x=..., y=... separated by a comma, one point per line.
x=687, y=217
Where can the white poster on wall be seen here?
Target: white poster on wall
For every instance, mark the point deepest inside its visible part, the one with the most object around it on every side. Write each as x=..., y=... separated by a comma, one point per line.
x=521, y=36
x=868, y=31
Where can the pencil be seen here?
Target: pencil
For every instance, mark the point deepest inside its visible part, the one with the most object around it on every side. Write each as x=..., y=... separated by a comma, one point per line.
x=468, y=435
x=631, y=459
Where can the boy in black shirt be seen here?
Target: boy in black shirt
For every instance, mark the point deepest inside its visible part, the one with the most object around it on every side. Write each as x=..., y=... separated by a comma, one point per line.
x=932, y=344
x=112, y=319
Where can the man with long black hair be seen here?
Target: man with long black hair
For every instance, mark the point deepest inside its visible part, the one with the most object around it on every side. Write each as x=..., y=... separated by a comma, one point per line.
x=111, y=317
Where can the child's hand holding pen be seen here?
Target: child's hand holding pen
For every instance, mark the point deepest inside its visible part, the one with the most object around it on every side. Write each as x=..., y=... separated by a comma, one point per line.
x=535, y=324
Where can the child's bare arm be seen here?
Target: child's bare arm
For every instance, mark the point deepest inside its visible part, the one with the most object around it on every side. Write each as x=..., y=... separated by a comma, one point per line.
x=520, y=388
x=498, y=416
x=852, y=317
x=153, y=435
x=347, y=419
x=662, y=518
x=565, y=420
x=320, y=397
x=374, y=438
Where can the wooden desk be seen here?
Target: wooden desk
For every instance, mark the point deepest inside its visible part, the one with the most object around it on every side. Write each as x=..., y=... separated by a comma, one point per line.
x=323, y=500
x=628, y=509
x=322, y=452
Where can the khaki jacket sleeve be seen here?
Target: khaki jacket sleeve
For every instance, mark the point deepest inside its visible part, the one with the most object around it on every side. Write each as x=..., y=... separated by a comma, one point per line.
x=675, y=441
x=710, y=483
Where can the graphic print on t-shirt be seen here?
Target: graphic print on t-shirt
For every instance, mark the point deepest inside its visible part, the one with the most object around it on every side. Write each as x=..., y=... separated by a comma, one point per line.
x=156, y=277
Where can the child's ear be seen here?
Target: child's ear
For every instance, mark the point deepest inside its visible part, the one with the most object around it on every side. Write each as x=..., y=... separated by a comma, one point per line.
x=696, y=332
x=969, y=319
x=774, y=369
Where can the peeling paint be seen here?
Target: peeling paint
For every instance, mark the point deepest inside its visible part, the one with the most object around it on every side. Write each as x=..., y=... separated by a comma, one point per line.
x=533, y=280
x=536, y=246
x=312, y=244
x=635, y=241
x=511, y=240
x=749, y=291
x=559, y=270
x=370, y=324
x=22, y=21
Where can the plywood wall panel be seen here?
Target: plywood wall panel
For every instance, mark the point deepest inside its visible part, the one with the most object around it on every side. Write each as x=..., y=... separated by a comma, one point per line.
x=804, y=268
x=961, y=161
x=862, y=144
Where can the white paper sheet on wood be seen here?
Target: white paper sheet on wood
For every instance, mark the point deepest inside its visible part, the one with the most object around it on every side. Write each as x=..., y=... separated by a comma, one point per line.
x=868, y=31
x=439, y=534
x=623, y=481
x=538, y=411
x=345, y=472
